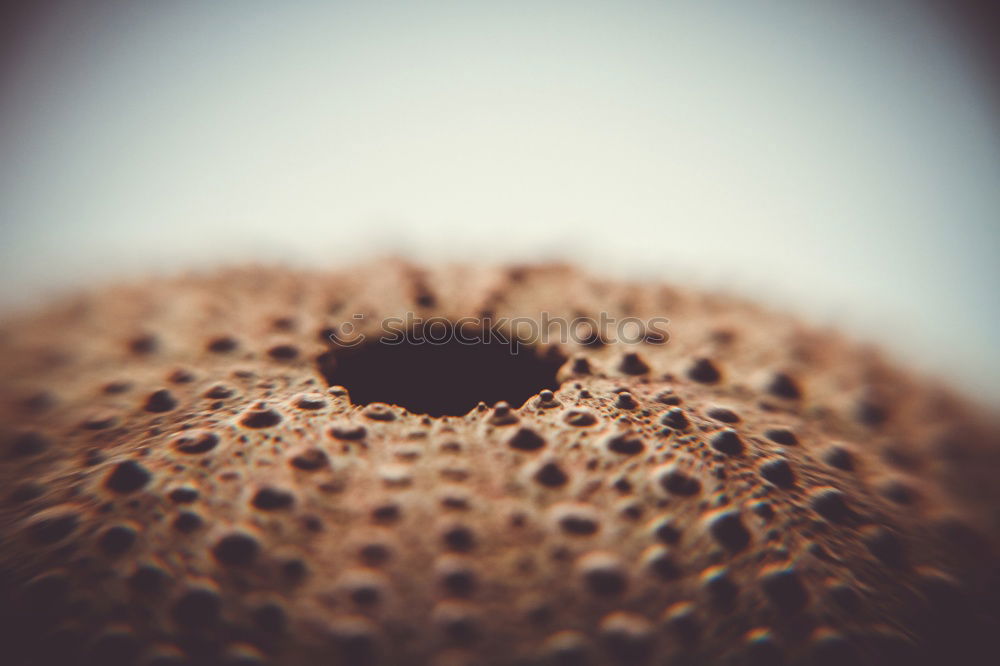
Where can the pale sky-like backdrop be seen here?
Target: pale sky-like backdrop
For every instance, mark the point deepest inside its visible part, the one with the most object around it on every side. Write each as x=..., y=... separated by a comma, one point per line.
x=839, y=159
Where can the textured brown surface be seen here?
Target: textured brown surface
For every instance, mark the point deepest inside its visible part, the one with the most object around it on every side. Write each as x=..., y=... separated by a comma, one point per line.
x=179, y=482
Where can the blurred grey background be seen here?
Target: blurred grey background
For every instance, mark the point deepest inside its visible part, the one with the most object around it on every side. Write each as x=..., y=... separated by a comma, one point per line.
x=839, y=158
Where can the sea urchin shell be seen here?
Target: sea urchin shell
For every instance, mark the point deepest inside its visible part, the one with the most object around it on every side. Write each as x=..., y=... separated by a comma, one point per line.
x=209, y=470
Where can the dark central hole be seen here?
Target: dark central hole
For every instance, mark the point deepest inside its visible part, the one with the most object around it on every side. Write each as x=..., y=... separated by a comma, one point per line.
x=439, y=379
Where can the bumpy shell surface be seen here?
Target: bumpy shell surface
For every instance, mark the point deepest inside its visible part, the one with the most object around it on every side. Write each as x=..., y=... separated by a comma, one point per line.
x=181, y=484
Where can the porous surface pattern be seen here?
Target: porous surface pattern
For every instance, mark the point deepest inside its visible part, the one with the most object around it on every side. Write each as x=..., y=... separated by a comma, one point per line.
x=178, y=484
